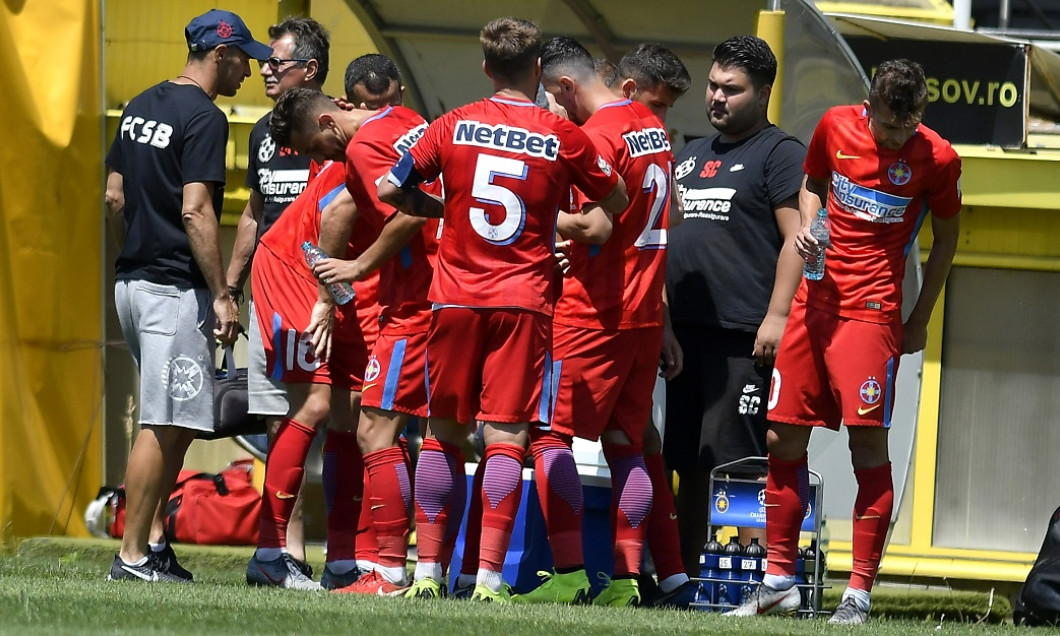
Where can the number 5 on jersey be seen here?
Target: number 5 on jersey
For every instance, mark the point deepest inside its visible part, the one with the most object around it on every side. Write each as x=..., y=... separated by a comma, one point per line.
x=487, y=168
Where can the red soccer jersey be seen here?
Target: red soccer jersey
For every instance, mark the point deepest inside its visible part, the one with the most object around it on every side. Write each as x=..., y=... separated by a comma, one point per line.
x=877, y=201
x=405, y=279
x=619, y=284
x=506, y=165
x=300, y=222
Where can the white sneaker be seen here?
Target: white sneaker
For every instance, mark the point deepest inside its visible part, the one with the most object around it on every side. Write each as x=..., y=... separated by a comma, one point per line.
x=766, y=601
x=282, y=572
x=848, y=613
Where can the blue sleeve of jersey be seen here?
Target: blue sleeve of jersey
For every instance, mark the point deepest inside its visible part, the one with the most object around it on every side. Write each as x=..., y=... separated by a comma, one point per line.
x=404, y=174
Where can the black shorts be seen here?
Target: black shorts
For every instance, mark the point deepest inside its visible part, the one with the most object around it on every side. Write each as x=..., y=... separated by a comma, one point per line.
x=716, y=407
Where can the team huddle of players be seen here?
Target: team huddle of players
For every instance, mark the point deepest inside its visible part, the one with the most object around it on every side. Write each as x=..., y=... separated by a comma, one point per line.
x=537, y=311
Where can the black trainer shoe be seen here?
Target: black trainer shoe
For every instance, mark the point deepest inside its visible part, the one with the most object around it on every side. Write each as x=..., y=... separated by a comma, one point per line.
x=168, y=560
x=151, y=572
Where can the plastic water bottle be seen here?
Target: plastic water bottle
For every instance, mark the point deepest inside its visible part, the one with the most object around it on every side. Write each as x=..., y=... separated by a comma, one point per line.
x=708, y=569
x=820, y=229
x=730, y=589
x=341, y=292
x=751, y=565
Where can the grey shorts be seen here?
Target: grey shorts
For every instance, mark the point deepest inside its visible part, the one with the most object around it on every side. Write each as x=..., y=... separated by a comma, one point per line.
x=169, y=332
x=264, y=395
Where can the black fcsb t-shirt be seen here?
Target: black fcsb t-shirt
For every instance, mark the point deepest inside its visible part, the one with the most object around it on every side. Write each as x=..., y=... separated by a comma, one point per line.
x=723, y=257
x=169, y=135
x=278, y=173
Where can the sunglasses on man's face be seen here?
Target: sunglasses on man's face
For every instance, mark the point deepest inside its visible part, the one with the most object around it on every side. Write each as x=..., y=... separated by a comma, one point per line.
x=275, y=62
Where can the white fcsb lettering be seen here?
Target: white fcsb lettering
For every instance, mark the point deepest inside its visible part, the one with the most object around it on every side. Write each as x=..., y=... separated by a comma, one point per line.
x=152, y=132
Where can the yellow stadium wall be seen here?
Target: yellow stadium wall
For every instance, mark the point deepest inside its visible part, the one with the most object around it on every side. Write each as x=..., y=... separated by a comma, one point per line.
x=51, y=370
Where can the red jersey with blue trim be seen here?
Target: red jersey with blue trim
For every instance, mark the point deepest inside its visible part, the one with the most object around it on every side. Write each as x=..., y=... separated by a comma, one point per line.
x=300, y=222
x=405, y=279
x=877, y=200
x=507, y=165
x=618, y=285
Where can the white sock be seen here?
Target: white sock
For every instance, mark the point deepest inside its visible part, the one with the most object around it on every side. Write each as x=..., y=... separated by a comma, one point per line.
x=158, y=547
x=465, y=579
x=428, y=571
x=397, y=576
x=366, y=566
x=861, y=598
x=269, y=554
x=672, y=582
x=342, y=566
x=490, y=579
x=142, y=561
x=779, y=582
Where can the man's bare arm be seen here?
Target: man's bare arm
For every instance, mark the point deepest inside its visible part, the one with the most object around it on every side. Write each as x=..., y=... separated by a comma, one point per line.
x=115, y=200
x=200, y=222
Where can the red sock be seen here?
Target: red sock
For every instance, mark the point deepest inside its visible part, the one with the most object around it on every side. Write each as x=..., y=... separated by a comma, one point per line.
x=662, y=522
x=343, y=481
x=473, y=531
x=439, y=473
x=502, y=488
x=367, y=541
x=787, y=495
x=284, y=468
x=389, y=494
x=631, y=501
x=559, y=489
x=872, y=516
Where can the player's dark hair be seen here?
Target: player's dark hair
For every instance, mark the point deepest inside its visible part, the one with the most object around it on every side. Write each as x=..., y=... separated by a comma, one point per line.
x=752, y=55
x=565, y=56
x=605, y=70
x=296, y=111
x=310, y=42
x=373, y=70
x=651, y=65
x=511, y=47
x=900, y=85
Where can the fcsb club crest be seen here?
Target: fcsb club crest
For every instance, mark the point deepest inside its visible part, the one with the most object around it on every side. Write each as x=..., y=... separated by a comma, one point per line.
x=721, y=502
x=183, y=378
x=870, y=391
x=267, y=149
x=371, y=372
x=899, y=173
x=224, y=29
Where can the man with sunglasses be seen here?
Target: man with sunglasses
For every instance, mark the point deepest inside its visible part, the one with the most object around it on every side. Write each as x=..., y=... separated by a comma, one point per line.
x=276, y=176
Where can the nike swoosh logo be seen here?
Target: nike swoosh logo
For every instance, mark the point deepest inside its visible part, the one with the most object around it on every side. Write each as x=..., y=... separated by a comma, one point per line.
x=283, y=495
x=750, y=388
x=738, y=167
x=140, y=575
x=862, y=410
x=269, y=576
x=765, y=609
x=377, y=506
x=368, y=386
x=839, y=155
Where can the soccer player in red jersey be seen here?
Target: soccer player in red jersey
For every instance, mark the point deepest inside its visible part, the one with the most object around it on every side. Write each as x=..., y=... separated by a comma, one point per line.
x=507, y=166
x=654, y=76
x=878, y=170
x=395, y=387
x=607, y=331
x=320, y=352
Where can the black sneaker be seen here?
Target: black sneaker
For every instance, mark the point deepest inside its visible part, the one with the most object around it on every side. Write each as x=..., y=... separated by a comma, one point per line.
x=168, y=560
x=151, y=571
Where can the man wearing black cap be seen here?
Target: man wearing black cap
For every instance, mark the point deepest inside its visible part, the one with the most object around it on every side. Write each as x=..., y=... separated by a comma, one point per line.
x=164, y=194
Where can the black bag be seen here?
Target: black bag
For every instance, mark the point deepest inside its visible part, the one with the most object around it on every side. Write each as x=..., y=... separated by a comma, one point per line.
x=1039, y=600
x=230, y=405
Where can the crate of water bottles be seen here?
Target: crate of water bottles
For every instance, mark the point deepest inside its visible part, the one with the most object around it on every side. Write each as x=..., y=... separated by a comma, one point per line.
x=731, y=572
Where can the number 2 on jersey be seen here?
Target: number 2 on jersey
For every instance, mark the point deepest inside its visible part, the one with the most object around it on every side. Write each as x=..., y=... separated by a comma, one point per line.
x=656, y=181
x=484, y=190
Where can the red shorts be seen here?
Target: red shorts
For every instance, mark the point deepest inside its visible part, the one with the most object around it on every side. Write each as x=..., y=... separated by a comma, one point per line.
x=606, y=378
x=832, y=369
x=366, y=304
x=395, y=379
x=284, y=299
x=489, y=364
